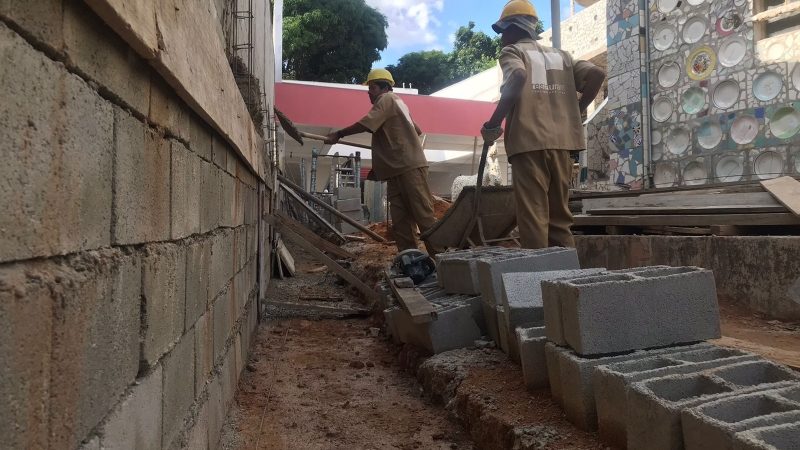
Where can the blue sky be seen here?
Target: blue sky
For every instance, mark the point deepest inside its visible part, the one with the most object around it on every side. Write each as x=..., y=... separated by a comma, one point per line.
x=416, y=25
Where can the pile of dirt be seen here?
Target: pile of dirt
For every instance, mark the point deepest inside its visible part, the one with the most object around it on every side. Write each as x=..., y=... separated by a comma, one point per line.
x=382, y=229
x=440, y=207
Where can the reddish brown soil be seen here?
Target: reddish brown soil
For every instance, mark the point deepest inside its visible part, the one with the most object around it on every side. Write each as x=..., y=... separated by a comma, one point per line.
x=440, y=207
x=772, y=339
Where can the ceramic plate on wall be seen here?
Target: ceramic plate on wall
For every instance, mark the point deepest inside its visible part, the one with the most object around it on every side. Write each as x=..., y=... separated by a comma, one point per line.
x=767, y=85
x=729, y=169
x=665, y=175
x=662, y=109
x=678, y=140
x=729, y=22
x=776, y=50
x=732, y=51
x=669, y=74
x=701, y=63
x=694, y=173
x=694, y=29
x=744, y=129
x=768, y=165
x=658, y=152
x=655, y=137
x=695, y=2
x=664, y=36
x=796, y=77
x=709, y=135
x=785, y=123
x=693, y=100
x=725, y=94
x=666, y=6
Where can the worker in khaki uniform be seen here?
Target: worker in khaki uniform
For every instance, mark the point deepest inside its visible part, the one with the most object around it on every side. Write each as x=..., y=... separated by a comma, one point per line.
x=397, y=158
x=539, y=100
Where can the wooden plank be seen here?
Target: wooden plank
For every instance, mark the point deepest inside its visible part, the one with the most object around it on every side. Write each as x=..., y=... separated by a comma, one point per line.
x=412, y=301
x=313, y=213
x=786, y=190
x=330, y=209
x=134, y=21
x=323, y=258
x=683, y=231
x=286, y=258
x=310, y=236
x=789, y=358
x=719, y=200
x=689, y=220
x=647, y=210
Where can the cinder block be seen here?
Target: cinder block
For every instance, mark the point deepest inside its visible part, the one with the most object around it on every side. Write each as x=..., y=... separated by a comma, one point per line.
x=785, y=436
x=454, y=327
x=222, y=262
x=623, y=312
x=610, y=382
x=458, y=271
x=167, y=110
x=26, y=329
x=56, y=142
x=198, y=433
x=198, y=270
x=211, y=193
x=229, y=378
x=92, y=443
x=200, y=137
x=502, y=329
x=216, y=412
x=352, y=204
x=185, y=177
x=228, y=204
x=94, y=49
x=136, y=421
x=164, y=289
x=219, y=152
x=95, y=340
x=577, y=389
x=178, y=387
x=232, y=161
x=531, y=343
x=346, y=228
x=551, y=355
x=344, y=193
x=222, y=325
x=141, y=182
x=714, y=425
x=43, y=20
x=654, y=406
x=204, y=351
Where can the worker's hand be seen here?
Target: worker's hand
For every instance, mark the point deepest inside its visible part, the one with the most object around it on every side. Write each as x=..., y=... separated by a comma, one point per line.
x=332, y=138
x=491, y=133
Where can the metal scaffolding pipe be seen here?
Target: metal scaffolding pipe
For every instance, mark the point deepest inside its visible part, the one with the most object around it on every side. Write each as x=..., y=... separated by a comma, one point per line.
x=555, y=15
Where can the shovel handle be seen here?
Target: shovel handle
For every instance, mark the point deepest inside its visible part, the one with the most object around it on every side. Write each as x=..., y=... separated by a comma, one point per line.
x=317, y=137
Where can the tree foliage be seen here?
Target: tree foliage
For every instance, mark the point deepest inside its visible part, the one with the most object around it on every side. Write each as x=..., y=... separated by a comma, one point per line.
x=331, y=40
x=427, y=71
x=473, y=52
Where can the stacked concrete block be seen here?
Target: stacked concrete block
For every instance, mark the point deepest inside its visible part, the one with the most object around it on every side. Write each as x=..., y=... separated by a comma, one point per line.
x=622, y=312
x=531, y=343
x=348, y=202
x=457, y=271
x=136, y=422
x=780, y=437
x=655, y=406
x=715, y=424
x=610, y=382
x=522, y=301
x=575, y=376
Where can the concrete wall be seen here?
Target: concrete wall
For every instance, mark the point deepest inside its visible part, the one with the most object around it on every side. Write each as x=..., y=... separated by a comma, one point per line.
x=761, y=272
x=129, y=259
x=583, y=34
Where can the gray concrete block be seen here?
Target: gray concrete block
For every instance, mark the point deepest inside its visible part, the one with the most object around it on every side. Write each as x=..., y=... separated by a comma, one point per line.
x=229, y=378
x=222, y=324
x=26, y=329
x=551, y=355
x=347, y=205
x=228, y=202
x=93, y=443
x=200, y=137
x=346, y=228
x=454, y=327
x=503, y=330
x=198, y=433
x=216, y=412
x=781, y=437
x=458, y=270
x=203, y=351
x=185, y=192
x=167, y=110
x=222, y=262
x=43, y=20
x=56, y=142
x=178, y=387
x=623, y=312
x=219, y=152
x=95, y=340
x=141, y=182
x=654, y=406
x=344, y=193
x=198, y=270
x=135, y=421
x=577, y=389
x=531, y=342
x=610, y=382
x=97, y=51
x=164, y=289
x=714, y=425
x=211, y=193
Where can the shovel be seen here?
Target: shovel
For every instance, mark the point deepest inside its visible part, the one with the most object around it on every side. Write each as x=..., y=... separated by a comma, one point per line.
x=476, y=202
x=292, y=130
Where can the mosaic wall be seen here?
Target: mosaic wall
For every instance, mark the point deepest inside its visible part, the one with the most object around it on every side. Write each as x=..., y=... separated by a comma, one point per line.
x=723, y=107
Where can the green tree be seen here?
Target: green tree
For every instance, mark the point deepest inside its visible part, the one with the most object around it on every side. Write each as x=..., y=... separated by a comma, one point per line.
x=331, y=40
x=426, y=71
x=473, y=52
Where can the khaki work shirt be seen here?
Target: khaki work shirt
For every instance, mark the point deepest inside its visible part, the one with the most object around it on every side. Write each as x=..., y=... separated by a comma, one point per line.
x=547, y=116
x=396, y=147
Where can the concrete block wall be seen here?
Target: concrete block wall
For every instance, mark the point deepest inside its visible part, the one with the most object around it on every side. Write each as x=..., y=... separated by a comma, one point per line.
x=128, y=266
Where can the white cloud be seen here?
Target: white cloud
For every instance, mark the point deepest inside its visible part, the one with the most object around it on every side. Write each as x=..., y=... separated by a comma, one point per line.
x=411, y=22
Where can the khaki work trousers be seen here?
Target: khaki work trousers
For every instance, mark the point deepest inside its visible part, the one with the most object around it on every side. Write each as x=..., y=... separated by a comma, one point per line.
x=541, y=189
x=411, y=205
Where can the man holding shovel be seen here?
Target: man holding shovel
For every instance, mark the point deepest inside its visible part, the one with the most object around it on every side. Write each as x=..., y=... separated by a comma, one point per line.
x=397, y=158
x=539, y=100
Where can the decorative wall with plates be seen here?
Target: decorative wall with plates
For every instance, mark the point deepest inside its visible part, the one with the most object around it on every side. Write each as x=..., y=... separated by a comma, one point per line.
x=721, y=110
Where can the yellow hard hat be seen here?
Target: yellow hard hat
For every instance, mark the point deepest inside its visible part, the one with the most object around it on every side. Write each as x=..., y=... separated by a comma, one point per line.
x=518, y=8
x=379, y=74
